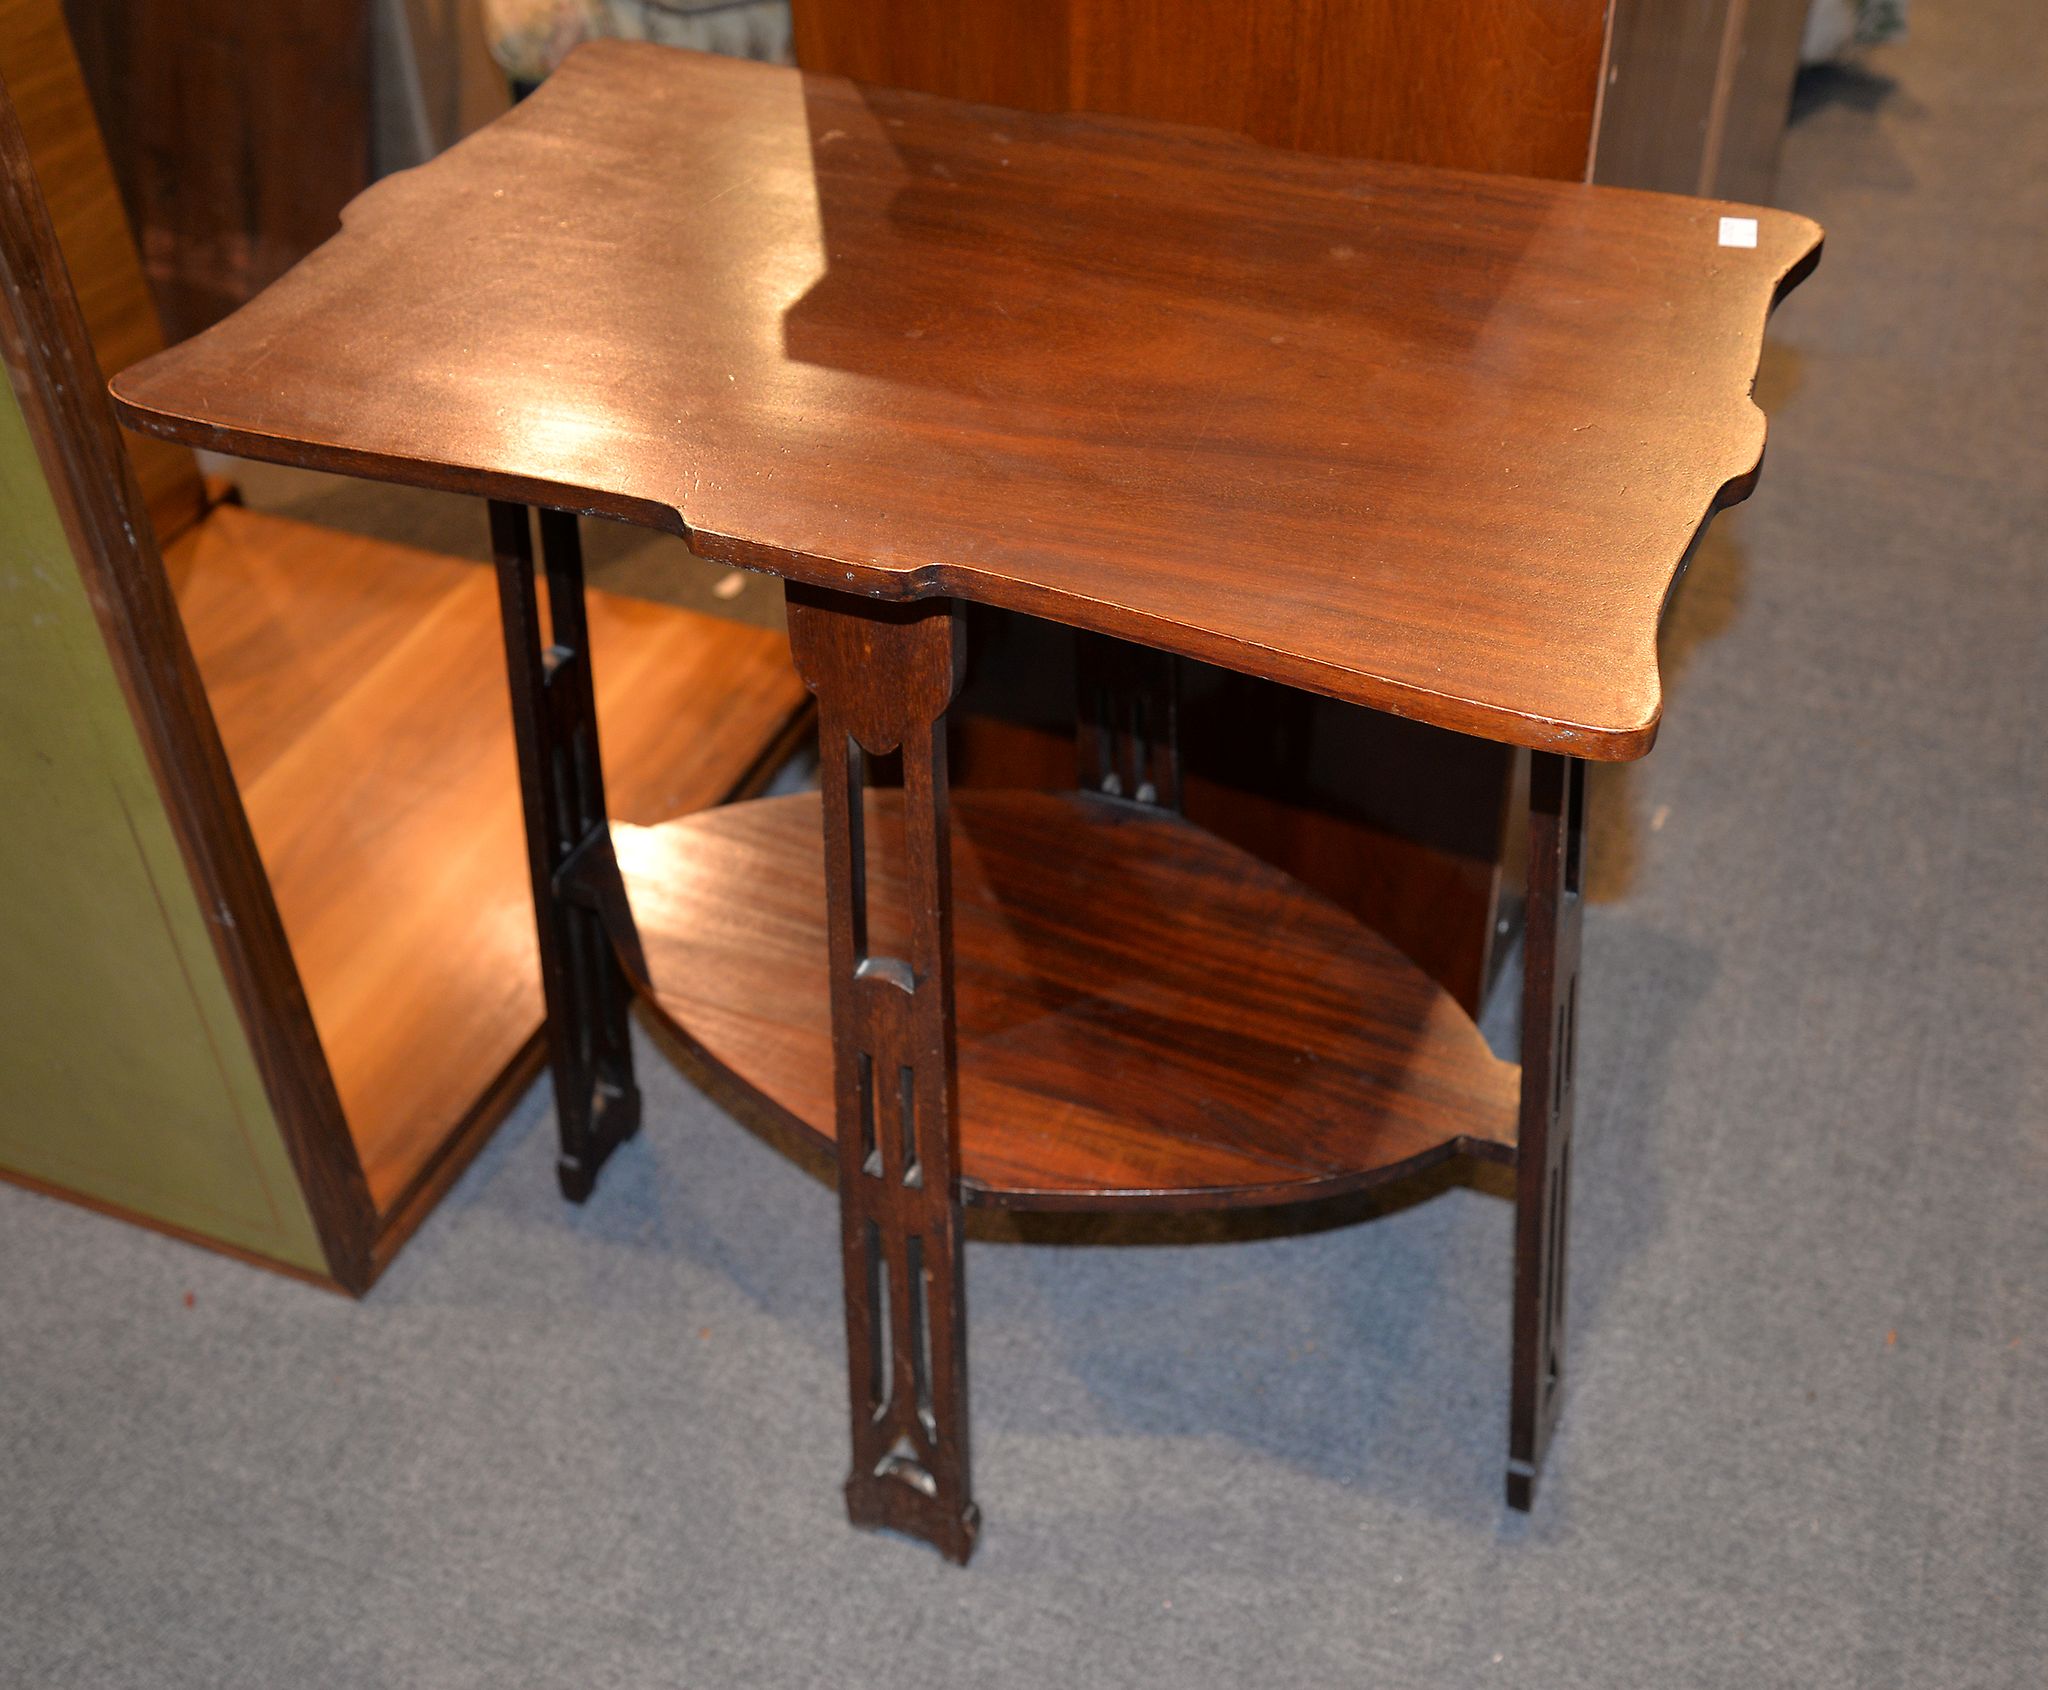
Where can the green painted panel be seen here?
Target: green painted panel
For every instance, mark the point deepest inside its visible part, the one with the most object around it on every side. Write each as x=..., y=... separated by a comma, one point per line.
x=125, y=1074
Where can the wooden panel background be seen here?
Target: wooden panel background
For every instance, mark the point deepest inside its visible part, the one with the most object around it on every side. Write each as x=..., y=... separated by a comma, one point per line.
x=1757, y=70
x=1507, y=85
x=43, y=79
x=238, y=132
x=1697, y=94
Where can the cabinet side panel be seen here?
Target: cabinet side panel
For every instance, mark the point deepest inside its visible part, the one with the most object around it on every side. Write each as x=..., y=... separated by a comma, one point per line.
x=128, y=1078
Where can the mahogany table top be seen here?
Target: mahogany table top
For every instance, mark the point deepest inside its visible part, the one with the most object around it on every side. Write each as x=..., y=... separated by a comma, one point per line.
x=1432, y=442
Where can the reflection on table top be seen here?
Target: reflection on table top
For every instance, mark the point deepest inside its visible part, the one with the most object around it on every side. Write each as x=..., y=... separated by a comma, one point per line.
x=1431, y=442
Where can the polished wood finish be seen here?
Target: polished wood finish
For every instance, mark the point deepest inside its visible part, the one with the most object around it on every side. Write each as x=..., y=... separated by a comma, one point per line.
x=1693, y=98
x=1430, y=443
x=1148, y=1018
x=1419, y=855
x=1508, y=85
x=237, y=131
x=1420, y=441
x=884, y=676
x=48, y=92
x=359, y=690
x=1434, y=875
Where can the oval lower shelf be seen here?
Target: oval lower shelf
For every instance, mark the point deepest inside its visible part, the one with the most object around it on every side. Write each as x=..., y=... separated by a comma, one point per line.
x=1147, y=1017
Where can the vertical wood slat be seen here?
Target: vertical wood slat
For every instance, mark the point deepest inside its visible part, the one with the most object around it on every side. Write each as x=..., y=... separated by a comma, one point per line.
x=568, y=842
x=238, y=133
x=884, y=675
x=1550, y=990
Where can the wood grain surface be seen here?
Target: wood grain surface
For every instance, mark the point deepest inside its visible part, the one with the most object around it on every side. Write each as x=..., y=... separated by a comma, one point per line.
x=1428, y=442
x=1506, y=85
x=1501, y=85
x=48, y=90
x=360, y=691
x=1432, y=897
x=1147, y=1018
x=237, y=131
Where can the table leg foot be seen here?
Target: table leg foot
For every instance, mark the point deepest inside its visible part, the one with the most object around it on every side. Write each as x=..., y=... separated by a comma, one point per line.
x=873, y=1506
x=615, y=1119
x=884, y=675
x=1557, y=802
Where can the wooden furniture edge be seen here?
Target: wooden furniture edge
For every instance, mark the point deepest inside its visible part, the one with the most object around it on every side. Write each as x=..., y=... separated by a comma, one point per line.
x=452, y=1157
x=1621, y=741
x=67, y=147
x=171, y=1229
x=744, y=1094
x=423, y=1194
x=798, y=1141
x=100, y=504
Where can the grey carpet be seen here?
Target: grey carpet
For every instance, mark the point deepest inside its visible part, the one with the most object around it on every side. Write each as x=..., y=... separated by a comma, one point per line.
x=1806, y=1441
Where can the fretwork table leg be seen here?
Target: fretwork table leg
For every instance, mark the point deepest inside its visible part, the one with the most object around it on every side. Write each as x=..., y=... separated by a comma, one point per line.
x=1550, y=999
x=884, y=675
x=554, y=721
x=1127, y=730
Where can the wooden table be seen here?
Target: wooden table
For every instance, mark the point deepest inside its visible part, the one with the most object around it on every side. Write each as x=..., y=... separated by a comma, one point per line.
x=1433, y=443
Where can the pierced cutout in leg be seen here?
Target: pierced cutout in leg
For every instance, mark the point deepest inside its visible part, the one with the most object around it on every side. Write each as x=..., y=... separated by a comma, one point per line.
x=902, y=1465
x=884, y=675
x=906, y=1116
x=870, y=1143
x=579, y=904
x=856, y=779
x=881, y=1365
x=917, y=1288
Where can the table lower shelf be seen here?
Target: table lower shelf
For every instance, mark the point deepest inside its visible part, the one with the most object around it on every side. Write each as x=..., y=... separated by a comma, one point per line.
x=1147, y=1017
